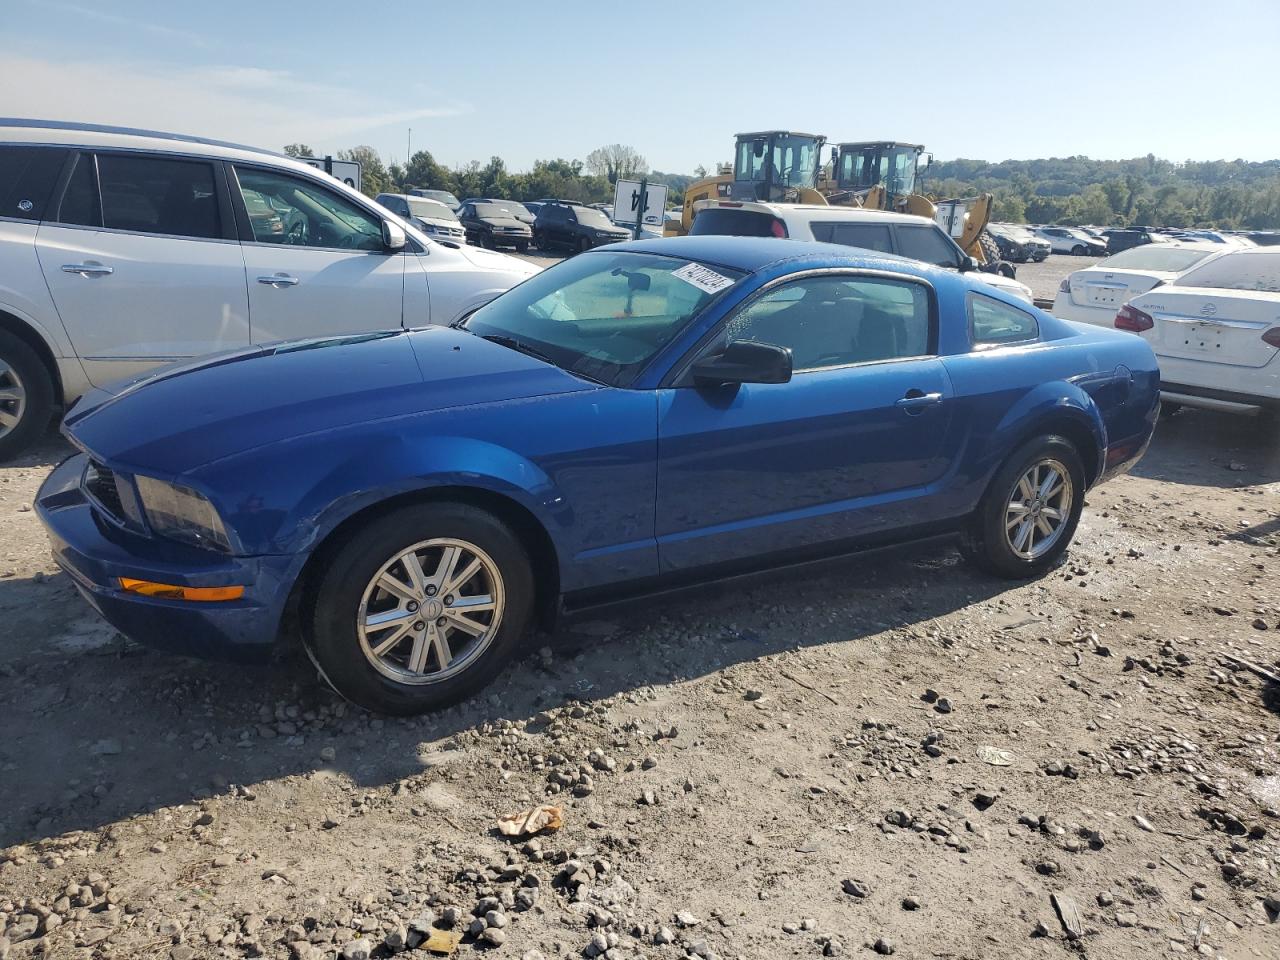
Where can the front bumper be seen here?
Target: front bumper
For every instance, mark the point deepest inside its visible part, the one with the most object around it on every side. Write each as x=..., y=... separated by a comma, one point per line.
x=95, y=554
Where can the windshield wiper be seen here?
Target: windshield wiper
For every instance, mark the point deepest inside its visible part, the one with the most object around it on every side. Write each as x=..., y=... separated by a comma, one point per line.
x=518, y=345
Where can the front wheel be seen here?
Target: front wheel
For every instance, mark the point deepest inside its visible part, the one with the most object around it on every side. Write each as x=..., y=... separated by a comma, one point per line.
x=1029, y=513
x=522, y=247
x=1078, y=251
x=421, y=608
x=584, y=245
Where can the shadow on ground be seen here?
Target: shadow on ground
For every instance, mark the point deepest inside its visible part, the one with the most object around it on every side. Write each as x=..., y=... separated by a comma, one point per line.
x=1207, y=448
x=98, y=729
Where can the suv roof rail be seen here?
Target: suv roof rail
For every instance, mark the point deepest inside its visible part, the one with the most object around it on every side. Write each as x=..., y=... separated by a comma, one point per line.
x=131, y=132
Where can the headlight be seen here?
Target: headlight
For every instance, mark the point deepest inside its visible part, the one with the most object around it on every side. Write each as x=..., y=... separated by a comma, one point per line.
x=181, y=513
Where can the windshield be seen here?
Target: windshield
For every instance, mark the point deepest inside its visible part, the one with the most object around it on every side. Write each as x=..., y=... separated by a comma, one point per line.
x=1246, y=270
x=793, y=161
x=1154, y=257
x=592, y=218
x=493, y=210
x=516, y=210
x=444, y=196
x=429, y=209
x=603, y=315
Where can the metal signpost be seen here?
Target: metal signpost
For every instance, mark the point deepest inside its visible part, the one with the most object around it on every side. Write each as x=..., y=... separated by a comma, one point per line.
x=348, y=171
x=641, y=202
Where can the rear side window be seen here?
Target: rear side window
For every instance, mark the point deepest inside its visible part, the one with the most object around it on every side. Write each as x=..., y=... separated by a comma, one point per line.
x=719, y=222
x=867, y=236
x=928, y=244
x=158, y=195
x=27, y=177
x=991, y=321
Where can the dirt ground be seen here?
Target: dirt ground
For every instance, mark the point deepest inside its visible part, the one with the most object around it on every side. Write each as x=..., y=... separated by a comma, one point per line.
x=890, y=754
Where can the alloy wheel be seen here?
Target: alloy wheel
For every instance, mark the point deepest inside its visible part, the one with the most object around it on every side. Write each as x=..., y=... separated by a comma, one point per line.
x=431, y=611
x=1038, y=509
x=13, y=398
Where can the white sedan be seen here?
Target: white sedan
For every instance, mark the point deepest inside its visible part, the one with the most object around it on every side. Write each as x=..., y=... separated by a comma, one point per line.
x=1093, y=295
x=1216, y=332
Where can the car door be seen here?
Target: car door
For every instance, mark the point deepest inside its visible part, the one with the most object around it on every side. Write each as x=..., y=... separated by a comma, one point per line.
x=848, y=448
x=327, y=272
x=141, y=258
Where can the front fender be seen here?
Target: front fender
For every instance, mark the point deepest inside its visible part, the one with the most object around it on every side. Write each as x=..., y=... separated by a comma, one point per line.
x=346, y=473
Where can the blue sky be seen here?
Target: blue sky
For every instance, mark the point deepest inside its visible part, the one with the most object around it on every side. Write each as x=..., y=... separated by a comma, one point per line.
x=527, y=80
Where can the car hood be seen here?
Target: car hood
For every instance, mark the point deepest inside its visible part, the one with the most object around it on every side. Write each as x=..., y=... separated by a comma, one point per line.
x=493, y=260
x=185, y=416
x=502, y=222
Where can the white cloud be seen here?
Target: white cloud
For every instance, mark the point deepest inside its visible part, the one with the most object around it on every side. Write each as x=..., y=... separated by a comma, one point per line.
x=260, y=107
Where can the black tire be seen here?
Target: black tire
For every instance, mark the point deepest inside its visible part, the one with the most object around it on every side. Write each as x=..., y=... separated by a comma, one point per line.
x=1078, y=251
x=584, y=245
x=20, y=366
x=333, y=606
x=987, y=542
x=1168, y=408
x=522, y=247
x=990, y=249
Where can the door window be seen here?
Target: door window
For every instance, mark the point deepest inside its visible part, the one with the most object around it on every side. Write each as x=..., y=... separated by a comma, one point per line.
x=833, y=321
x=305, y=214
x=27, y=177
x=928, y=244
x=158, y=195
x=991, y=321
x=868, y=236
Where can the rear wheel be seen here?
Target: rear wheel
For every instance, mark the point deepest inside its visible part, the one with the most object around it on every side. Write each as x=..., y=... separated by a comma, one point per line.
x=421, y=608
x=26, y=395
x=1029, y=513
x=990, y=249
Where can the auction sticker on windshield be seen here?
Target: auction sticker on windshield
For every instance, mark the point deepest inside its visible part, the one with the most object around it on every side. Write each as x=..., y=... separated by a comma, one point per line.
x=703, y=278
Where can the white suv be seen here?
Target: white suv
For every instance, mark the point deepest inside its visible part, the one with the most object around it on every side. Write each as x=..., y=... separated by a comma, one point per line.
x=917, y=238
x=124, y=249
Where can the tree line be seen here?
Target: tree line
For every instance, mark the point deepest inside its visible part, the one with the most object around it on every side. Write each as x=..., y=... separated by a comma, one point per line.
x=1226, y=194
x=587, y=181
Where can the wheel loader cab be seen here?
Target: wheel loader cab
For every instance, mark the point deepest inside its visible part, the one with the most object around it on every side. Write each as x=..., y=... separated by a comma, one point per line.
x=773, y=164
x=860, y=167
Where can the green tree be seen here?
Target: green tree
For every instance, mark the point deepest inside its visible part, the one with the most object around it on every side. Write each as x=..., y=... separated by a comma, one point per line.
x=617, y=161
x=298, y=150
x=374, y=178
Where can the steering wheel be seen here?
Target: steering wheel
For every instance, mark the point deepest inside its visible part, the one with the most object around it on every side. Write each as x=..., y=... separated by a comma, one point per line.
x=298, y=233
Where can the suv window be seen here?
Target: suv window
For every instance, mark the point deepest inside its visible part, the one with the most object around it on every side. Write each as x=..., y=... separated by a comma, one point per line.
x=721, y=222
x=27, y=177
x=79, y=204
x=158, y=195
x=834, y=321
x=991, y=321
x=868, y=236
x=929, y=244
x=308, y=215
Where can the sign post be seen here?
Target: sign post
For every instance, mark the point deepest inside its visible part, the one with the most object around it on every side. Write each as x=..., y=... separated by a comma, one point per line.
x=348, y=171
x=639, y=202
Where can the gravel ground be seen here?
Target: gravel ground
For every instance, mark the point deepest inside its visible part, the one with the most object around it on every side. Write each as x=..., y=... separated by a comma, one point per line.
x=889, y=755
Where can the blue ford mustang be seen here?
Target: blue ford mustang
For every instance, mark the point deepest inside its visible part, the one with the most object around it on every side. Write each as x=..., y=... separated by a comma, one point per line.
x=642, y=416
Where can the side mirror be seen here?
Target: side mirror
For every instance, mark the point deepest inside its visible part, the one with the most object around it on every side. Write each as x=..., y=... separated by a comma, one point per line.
x=924, y=163
x=968, y=263
x=393, y=237
x=744, y=361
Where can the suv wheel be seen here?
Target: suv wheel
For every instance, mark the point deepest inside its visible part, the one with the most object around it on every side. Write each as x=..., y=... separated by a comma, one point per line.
x=1029, y=513
x=584, y=245
x=421, y=608
x=26, y=395
x=1078, y=250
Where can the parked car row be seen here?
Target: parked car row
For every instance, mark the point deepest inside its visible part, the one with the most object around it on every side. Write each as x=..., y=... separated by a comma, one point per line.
x=1017, y=244
x=1210, y=311
x=121, y=250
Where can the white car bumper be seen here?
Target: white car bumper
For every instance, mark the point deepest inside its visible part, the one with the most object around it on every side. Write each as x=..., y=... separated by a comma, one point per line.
x=1097, y=316
x=1219, y=386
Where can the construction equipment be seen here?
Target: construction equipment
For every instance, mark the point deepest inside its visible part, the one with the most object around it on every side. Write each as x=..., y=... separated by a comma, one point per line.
x=785, y=166
x=884, y=175
x=771, y=165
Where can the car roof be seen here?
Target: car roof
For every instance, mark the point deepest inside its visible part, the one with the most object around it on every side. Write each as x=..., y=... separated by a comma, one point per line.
x=753, y=254
x=807, y=212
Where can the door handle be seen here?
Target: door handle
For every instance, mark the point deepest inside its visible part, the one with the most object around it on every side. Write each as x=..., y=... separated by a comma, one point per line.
x=279, y=280
x=89, y=269
x=915, y=402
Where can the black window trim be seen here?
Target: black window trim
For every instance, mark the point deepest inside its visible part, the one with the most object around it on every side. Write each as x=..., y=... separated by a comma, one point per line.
x=984, y=345
x=680, y=373
x=226, y=222
x=247, y=237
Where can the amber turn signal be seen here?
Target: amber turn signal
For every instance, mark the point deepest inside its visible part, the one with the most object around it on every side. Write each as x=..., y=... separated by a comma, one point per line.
x=169, y=591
